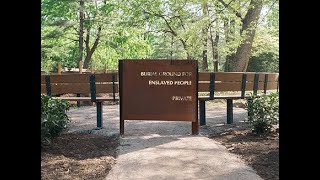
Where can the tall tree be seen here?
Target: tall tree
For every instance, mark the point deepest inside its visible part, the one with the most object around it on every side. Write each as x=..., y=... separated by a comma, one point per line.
x=214, y=39
x=91, y=16
x=91, y=50
x=241, y=58
x=177, y=29
x=214, y=47
x=81, y=15
x=205, y=14
x=229, y=30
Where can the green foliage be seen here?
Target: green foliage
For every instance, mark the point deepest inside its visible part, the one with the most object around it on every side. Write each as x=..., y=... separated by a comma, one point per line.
x=265, y=52
x=265, y=62
x=53, y=118
x=263, y=112
x=152, y=29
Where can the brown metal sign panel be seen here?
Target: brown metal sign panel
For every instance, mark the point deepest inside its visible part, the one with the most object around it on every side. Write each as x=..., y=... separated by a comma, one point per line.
x=158, y=90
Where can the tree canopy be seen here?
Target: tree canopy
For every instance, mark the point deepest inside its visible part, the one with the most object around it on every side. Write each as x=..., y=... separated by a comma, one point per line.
x=241, y=35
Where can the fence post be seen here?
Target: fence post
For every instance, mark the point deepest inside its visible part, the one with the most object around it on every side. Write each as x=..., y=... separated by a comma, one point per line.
x=202, y=107
x=229, y=111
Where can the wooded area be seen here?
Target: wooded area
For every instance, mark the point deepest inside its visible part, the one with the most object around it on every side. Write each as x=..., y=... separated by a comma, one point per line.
x=236, y=35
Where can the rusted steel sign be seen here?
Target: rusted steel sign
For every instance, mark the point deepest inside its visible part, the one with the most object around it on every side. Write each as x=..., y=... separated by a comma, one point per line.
x=158, y=90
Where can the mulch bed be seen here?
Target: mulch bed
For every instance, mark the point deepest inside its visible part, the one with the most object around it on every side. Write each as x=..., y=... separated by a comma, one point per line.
x=78, y=156
x=259, y=152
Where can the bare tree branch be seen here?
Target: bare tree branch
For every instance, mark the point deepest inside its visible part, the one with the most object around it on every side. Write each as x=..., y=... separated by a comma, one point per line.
x=171, y=30
x=162, y=17
x=267, y=12
x=225, y=7
x=181, y=23
x=237, y=13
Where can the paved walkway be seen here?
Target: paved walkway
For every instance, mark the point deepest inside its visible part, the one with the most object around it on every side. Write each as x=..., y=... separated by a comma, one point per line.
x=167, y=150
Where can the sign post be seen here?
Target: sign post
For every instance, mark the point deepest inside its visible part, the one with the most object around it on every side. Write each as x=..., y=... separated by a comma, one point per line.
x=164, y=90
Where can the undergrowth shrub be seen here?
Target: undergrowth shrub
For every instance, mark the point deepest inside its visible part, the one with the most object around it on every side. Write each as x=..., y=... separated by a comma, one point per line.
x=53, y=118
x=263, y=112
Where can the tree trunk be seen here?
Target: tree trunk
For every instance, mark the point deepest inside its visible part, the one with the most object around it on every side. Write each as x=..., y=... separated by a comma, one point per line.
x=229, y=34
x=214, y=46
x=90, y=51
x=81, y=30
x=240, y=61
x=204, y=66
x=184, y=44
x=87, y=43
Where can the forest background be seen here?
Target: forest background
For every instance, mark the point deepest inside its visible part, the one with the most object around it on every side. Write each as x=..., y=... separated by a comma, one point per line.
x=223, y=35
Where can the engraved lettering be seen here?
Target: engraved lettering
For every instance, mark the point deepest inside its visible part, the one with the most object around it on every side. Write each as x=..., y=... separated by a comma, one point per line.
x=179, y=83
x=186, y=73
x=178, y=74
x=156, y=82
x=181, y=98
x=149, y=74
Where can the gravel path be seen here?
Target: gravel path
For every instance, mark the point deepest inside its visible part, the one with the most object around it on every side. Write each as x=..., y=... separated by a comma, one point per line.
x=164, y=149
x=84, y=119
